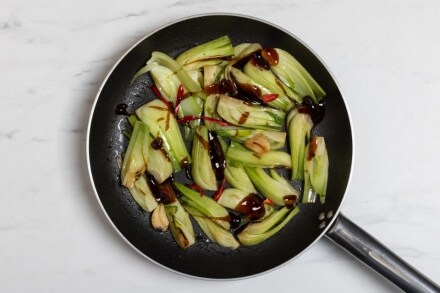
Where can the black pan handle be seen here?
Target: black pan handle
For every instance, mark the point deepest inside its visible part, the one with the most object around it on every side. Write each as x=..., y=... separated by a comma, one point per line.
x=374, y=254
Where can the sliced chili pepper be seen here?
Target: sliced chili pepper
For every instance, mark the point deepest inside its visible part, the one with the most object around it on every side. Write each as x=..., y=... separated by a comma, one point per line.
x=216, y=121
x=159, y=95
x=179, y=99
x=196, y=188
x=269, y=202
x=220, y=190
x=269, y=97
x=186, y=119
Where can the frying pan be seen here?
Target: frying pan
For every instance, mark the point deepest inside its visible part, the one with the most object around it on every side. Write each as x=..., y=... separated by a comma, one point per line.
x=106, y=144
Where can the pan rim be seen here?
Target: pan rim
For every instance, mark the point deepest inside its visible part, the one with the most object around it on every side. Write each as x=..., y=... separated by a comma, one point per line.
x=104, y=82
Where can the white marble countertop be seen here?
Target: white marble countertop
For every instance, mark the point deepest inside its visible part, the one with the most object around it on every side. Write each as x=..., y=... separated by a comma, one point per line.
x=53, y=57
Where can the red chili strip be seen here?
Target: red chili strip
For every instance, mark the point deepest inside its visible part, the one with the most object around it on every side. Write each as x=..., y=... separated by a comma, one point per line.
x=186, y=119
x=179, y=99
x=269, y=97
x=220, y=190
x=269, y=202
x=216, y=121
x=159, y=95
x=196, y=188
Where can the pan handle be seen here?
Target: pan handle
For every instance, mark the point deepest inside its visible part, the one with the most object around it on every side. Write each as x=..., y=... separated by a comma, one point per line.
x=374, y=254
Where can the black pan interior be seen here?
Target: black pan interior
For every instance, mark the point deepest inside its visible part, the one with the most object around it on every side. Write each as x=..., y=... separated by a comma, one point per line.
x=106, y=144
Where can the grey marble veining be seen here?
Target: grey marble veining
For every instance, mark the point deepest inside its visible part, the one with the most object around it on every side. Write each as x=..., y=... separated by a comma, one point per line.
x=53, y=58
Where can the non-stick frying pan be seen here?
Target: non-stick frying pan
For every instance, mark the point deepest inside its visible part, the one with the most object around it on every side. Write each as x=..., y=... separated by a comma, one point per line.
x=106, y=145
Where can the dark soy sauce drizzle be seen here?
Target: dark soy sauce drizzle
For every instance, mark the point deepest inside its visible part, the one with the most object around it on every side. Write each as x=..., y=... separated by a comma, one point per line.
x=218, y=160
x=164, y=152
x=224, y=86
x=258, y=61
x=248, y=92
x=251, y=206
x=167, y=193
x=270, y=55
x=154, y=188
x=316, y=111
x=215, y=88
x=242, y=62
x=290, y=201
x=312, y=148
x=234, y=220
x=229, y=87
x=233, y=88
x=157, y=143
x=184, y=162
x=121, y=109
x=231, y=218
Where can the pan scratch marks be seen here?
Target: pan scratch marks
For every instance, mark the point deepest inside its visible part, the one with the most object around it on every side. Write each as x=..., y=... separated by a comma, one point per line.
x=112, y=20
x=14, y=24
